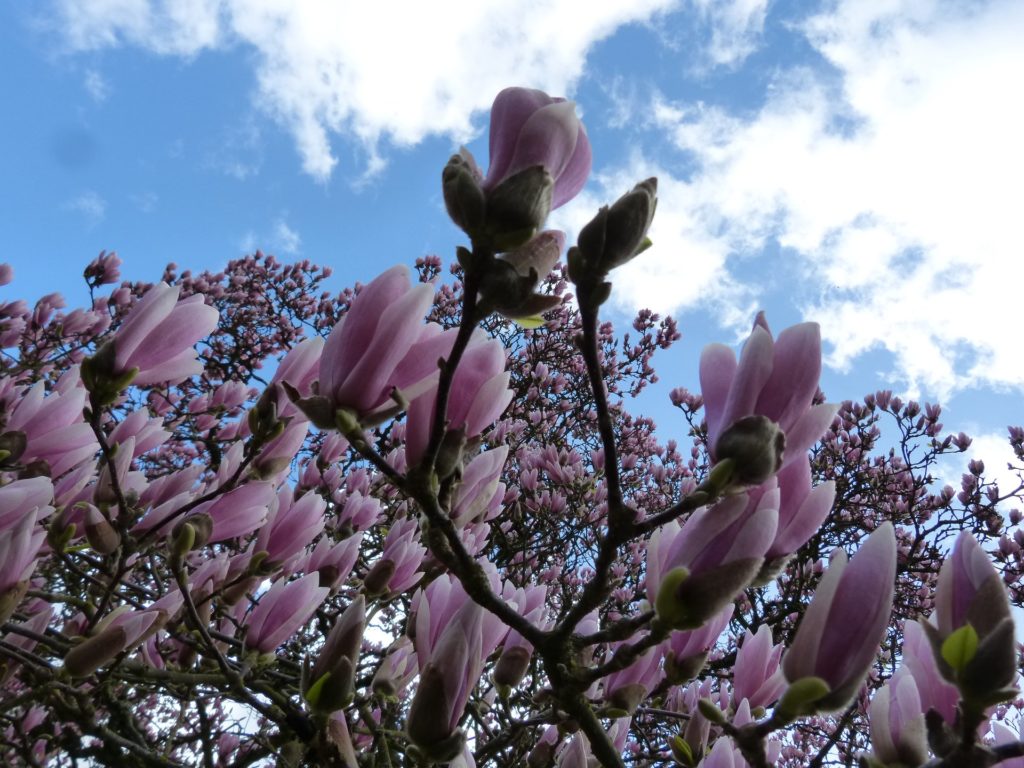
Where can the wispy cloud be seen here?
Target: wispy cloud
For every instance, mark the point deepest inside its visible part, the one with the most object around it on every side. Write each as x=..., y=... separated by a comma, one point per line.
x=90, y=205
x=734, y=29
x=239, y=152
x=282, y=238
x=319, y=73
x=892, y=187
x=286, y=239
x=96, y=86
x=146, y=202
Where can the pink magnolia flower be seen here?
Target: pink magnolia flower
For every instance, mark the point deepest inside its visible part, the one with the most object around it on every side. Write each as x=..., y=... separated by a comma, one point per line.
x=54, y=429
x=723, y=755
x=447, y=678
x=757, y=676
x=282, y=609
x=333, y=562
x=687, y=651
x=397, y=568
x=919, y=662
x=22, y=498
x=479, y=495
x=115, y=634
x=774, y=379
x=291, y=525
x=575, y=753
x=147, y=432
x=531, y=603
x=693, y=571
x=397, y=669
x=897, y=722
x=158, y=335
x=971, y=592
x=843, y=626
x=19, y=546
x=367, y=354
x=239, y=511
x=530, y=128
x=802, y=509
x=625, y=689
x=479, y=395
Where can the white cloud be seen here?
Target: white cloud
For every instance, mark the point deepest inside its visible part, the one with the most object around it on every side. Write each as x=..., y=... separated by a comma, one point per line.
x=687, y=265
x=96, y=86
x=894, y=187
x=177, y=27
x=735, y=28
x=286, y=239
x=91, y=205
x=281, y=239
x=239, y=152
x=353, y=68
x=146, y=202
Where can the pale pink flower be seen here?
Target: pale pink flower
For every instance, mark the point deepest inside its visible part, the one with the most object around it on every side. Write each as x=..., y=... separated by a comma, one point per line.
x=479, y=395
x=282, y=609
x=897, y=722
x=839, y=636
x=158, y=335
x=530, y=128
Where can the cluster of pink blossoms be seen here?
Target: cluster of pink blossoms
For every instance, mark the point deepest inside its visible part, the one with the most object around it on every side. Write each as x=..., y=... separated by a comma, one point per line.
x=346, y=554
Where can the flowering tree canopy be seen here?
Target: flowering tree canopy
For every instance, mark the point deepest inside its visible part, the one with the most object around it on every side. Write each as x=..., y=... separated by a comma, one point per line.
x=245, y=522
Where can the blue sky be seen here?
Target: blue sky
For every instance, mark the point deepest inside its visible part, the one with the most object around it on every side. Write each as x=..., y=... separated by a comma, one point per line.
x=853, y=162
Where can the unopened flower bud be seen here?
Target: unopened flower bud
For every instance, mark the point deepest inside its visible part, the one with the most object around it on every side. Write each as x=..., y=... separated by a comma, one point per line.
x=518, y=207
x=100, y=534
x=509, y=282
x=91, y=654
x=463, y=196
x=511, y=667
x=756, y=445
x=619, y=233
x=376, y=580
x=334, y=672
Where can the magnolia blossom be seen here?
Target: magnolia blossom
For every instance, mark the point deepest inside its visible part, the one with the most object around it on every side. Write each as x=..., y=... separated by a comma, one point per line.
x=687, y=651
x=774, y=379
x=282, y=609
x=695, y=570
x=971, y=592
x=530, y=128
x=757, y=676
x=897, y=722
x=626, y=688
x=157, y=337
x=447, y=677
x=54, y=430
x=919, y=661
x=843, y=626
x=367, y=354
x=479, y=394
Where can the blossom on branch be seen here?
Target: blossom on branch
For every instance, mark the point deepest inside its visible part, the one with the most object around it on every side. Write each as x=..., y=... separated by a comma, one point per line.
x=840, y=633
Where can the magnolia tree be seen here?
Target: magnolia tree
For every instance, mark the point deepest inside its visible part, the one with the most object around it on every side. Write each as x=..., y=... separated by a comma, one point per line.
x=435, y=535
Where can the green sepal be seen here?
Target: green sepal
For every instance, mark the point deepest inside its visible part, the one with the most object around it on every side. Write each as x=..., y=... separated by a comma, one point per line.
x=666, y=605
x=711, y=712
x=960, y=647
x=531, y=322
x=682, y=752
x=720, y=477
x=800, y=699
